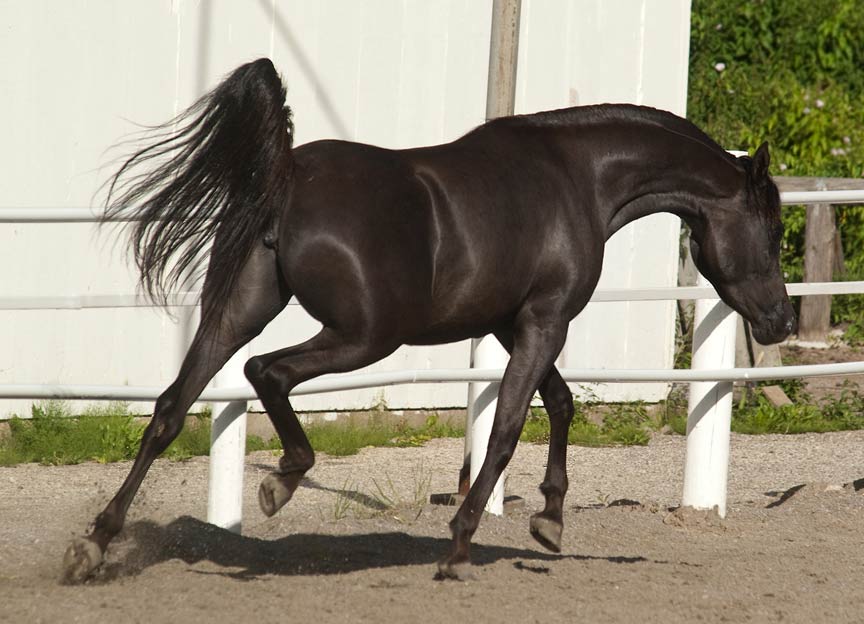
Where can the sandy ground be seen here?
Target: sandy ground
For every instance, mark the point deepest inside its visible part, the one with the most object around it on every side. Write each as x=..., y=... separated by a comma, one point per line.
x=355, y=546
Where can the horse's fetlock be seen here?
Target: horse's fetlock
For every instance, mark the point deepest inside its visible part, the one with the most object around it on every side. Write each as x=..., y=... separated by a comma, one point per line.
x=108, y=524
x=553, y=489
x=300, y=461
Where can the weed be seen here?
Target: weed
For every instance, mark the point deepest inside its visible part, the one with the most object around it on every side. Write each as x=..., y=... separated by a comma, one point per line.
x=401, y=508
x=343, y=502
x=602, y=498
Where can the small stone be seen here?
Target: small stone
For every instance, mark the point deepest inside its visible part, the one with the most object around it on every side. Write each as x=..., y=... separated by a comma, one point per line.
x=776, y=396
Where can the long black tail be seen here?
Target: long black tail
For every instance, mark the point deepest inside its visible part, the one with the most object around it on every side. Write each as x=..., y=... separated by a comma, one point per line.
x=215, y=178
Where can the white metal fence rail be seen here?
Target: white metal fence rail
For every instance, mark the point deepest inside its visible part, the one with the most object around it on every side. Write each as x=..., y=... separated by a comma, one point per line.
x=709, y=411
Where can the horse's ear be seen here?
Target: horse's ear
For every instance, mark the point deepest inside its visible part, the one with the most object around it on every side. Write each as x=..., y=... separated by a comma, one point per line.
x=761, y=160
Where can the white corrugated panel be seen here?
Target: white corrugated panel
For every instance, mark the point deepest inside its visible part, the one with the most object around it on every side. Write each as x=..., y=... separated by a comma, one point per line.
x=595, y=51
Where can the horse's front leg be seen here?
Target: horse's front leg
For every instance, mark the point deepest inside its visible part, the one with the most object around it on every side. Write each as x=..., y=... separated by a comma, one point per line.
x=548, y=525
x=537, y=339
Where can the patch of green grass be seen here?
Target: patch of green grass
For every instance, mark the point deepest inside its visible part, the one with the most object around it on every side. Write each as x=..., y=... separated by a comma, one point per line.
x=109, y=432
x=672, y=412
x=347, y=438
x=756, y=415
x=622, y=424
x=105, y=433
x=194, y=439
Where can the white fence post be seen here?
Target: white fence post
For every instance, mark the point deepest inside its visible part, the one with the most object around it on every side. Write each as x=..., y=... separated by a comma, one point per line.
x=228, y=450
x=709, y=413
x=482, y=401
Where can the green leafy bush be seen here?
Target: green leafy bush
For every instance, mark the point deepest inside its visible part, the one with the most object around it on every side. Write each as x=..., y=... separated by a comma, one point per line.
x=789, y=72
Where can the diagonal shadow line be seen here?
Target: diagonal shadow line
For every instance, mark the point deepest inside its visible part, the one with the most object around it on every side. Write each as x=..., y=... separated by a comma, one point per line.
x=712, y=321
x=708, y=402
x=246, y=558
x=784, y=496
x=353, y=495
x=308, y=70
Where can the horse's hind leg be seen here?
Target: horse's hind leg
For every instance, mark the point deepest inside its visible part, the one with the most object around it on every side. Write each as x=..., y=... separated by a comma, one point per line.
x=254, y=304
x=275, y=374
x=547, y=526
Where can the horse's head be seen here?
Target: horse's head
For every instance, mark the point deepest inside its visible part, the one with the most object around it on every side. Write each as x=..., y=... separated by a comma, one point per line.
x=737, y=247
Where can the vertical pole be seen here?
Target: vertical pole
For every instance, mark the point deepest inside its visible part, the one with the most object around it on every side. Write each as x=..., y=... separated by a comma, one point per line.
x=710, y=407
x=815, y=318
x=228, y=449
x=486, y=352
x=482, y=401
x=503, y=52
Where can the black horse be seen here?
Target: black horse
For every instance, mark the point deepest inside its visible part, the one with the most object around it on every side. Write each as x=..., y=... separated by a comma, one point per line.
x=501, y=231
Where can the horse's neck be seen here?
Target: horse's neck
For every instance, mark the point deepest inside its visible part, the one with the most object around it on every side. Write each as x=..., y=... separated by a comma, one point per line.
x=652, y=174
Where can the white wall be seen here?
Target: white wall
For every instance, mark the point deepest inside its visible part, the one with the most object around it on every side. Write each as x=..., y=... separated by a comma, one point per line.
x=394, y=73
x=593, y=51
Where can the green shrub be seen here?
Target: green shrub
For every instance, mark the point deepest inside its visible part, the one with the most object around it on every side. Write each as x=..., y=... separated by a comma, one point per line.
x=788, y=71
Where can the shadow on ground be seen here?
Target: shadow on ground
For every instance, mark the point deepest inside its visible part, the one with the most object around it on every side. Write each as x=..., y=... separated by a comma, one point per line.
x=246, y=558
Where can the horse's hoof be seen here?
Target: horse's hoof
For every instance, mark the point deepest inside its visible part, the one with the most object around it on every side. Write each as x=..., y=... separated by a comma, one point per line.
x=273, y=493
x=457, y=571
x=81, y=558
x=547, y=532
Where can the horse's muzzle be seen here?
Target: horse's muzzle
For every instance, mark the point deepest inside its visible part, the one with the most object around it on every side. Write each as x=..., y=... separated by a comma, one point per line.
x=776, y=326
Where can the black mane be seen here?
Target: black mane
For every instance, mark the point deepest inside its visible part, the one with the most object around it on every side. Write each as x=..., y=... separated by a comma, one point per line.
x=604, y=113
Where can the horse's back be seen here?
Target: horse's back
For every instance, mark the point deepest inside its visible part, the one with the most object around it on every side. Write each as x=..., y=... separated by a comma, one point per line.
x=454, y=236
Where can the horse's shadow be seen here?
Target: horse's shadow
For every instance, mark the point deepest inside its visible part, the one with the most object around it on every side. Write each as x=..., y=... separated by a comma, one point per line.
x=246, y=558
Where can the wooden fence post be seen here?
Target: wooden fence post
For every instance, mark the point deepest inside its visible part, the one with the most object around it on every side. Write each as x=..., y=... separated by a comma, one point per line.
x=815, y=321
